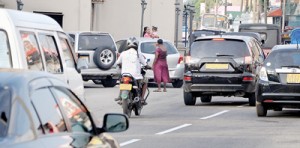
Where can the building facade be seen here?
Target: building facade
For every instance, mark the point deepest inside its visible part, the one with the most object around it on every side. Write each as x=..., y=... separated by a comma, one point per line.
x=121, y=18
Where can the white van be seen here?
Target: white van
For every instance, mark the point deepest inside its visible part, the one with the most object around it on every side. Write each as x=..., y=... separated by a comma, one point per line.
x=37, y=42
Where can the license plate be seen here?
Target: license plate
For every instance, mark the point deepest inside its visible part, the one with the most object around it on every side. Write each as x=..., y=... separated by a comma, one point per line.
x=216, y=66
x=293, y=78
x=125, y=86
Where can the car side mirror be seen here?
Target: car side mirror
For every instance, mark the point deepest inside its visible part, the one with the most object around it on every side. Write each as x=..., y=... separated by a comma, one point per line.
x=114, y=123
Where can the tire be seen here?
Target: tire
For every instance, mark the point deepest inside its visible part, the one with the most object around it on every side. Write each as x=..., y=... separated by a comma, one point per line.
x=206, y=99
x=189, y=99
x=138, y=108
x=252, y=99
x=97, y=81
x=109, y=82
x=125, y=107
x=177, y=83
x=104, y=57
x=261, y=110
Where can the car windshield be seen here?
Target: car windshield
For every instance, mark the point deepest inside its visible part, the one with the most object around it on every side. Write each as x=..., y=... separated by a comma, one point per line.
x=92, y=42
x=5, y=106
x=214, y=48
x=150, y=47
x=283, y=58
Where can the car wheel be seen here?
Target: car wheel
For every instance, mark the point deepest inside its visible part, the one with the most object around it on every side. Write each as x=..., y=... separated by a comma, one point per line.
x=189, y=99
x=261, y=110
x=252, y=99
x=206, y=99
x=109, y=82
x=97, y=81
x=104, y=57
x=177, y=83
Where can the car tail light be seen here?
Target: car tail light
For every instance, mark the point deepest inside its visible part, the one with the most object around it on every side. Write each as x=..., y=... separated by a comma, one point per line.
x=248, y=78
x=180, y=60
x=187, y=78
x=126, y=80
x=268, y=101
x=263, y=74
x=248, y=60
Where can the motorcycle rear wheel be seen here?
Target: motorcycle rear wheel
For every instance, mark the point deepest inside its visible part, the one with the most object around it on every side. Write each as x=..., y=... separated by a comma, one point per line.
x=125, y=106
x=138, y=108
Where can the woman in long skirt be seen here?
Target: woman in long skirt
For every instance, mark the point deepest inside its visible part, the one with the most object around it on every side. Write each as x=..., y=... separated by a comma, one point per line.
x=160, y=66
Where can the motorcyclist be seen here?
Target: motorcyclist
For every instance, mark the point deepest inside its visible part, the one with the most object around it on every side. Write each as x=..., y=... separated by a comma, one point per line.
x=130, y=62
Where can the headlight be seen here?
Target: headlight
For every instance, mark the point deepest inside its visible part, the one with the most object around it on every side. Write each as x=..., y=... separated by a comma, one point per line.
x=263, y=74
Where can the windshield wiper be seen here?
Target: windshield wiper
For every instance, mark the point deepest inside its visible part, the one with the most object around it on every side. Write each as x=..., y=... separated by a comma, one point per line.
x=224, y=55
x=291, y=66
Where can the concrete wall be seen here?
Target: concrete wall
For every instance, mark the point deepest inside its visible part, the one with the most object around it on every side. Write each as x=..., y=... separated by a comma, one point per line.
x=121, y=18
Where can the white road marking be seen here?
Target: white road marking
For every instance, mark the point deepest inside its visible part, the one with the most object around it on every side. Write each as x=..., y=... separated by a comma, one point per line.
x=173, y=129
x=214, y=115
x=129, y=142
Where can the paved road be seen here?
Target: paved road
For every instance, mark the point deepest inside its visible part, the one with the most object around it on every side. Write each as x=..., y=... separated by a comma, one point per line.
x=224, y=123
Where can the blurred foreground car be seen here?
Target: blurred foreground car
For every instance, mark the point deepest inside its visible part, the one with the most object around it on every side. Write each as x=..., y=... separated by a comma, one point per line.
x=147, y=47
x=279, y=83
x=39, y=110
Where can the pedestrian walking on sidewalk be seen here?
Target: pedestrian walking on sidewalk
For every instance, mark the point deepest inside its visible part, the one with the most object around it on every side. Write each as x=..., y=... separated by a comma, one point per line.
x=160, y=66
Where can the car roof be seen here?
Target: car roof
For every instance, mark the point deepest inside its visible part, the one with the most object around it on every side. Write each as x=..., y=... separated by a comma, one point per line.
x=235, y=37
x=258, y=26
x=18, y=77
x=142, y=39
x=30, y=20
x=285, y=47
x=251, y=34
x=88, y=32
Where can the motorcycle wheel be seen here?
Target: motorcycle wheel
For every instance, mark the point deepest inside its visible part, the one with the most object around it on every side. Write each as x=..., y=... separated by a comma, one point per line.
x=125, y=106
x=138, y=108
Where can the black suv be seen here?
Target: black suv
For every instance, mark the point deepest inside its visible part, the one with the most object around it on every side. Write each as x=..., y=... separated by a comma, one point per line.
x=222, y=66
x=279, y=80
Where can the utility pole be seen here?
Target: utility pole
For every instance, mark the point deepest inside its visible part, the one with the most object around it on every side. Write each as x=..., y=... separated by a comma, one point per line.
x=225, y=10
x=265, y=10
x=177, y=13
x=259, y=11
x=242, y=5
x=283, y=14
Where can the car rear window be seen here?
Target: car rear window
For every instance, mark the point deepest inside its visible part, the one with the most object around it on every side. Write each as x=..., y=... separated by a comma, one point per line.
x=92, y=42
x=5, y=107
x=213, y=48
x=283, y=58
x=150, y=47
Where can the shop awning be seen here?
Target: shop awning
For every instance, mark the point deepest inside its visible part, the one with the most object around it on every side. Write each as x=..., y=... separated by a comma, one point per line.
x=275, y=13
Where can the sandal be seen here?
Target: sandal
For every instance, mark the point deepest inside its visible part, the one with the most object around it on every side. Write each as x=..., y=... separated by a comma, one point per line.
x=156, y=90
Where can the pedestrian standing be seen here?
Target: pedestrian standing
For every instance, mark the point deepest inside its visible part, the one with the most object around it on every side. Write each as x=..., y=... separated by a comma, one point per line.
x=154, y=32
x=160, y=66
x=147, y=32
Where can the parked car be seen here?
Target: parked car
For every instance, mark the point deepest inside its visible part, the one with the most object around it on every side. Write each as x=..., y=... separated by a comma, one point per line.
x=37, y=42
x=222, y=66
x=99, y=51
x=39, y=110
x=279, y=80
x=147, y=47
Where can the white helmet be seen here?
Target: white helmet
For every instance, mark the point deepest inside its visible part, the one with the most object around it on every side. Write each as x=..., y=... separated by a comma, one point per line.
x=132, y=43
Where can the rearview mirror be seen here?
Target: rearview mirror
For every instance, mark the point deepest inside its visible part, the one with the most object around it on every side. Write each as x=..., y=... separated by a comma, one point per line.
x=115, y=123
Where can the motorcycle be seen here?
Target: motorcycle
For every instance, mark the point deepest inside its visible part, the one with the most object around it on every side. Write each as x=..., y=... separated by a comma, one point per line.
x=131, y=92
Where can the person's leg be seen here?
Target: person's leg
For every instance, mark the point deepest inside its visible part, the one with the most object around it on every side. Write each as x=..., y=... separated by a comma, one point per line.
x=165, y=86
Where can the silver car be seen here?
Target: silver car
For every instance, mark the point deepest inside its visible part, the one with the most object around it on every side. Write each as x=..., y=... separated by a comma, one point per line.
x=147, y=47
x=99, y=51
